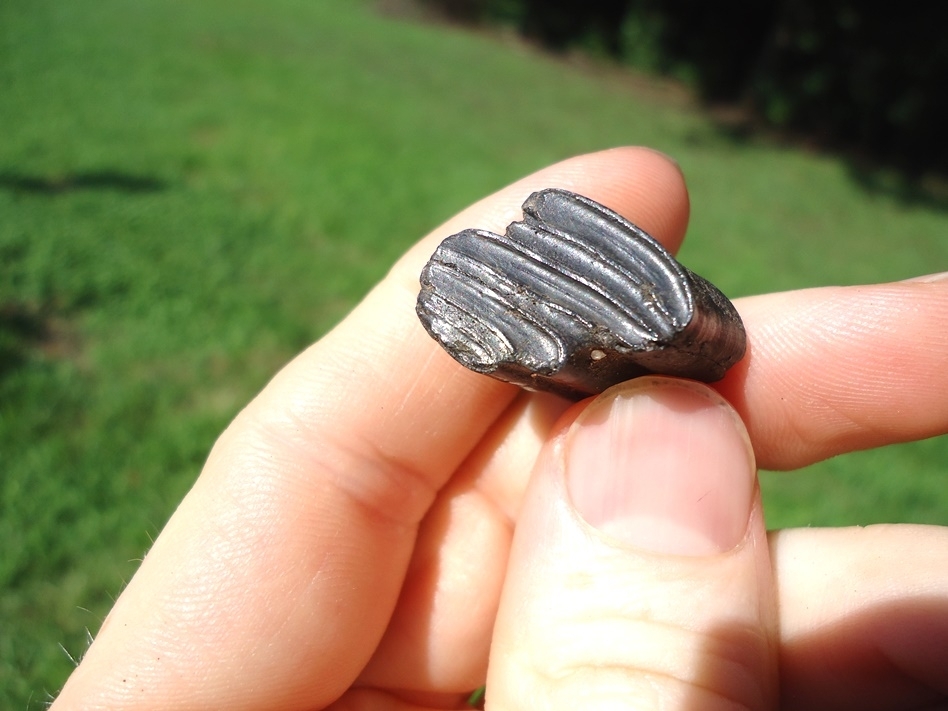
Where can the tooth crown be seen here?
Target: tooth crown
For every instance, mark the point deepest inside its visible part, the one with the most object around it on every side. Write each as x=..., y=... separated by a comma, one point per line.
x=574, y=299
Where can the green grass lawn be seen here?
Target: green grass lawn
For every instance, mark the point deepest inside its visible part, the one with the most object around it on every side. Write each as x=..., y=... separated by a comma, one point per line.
x=192, y=192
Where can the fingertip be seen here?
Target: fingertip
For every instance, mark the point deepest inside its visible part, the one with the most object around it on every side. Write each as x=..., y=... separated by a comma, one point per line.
x=651, y=192
x=644, y=185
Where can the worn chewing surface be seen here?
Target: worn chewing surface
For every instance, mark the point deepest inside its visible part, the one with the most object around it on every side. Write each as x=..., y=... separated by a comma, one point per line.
x=574, y=299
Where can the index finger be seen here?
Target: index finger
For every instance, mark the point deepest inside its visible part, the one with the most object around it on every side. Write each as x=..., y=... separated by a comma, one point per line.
x=377, y=383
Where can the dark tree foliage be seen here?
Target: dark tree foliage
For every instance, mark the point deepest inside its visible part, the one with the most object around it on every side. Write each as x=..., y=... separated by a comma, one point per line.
x=559, y=23
x=459, y=10
x=871, y=77
x=721, y=43
x=863, y=76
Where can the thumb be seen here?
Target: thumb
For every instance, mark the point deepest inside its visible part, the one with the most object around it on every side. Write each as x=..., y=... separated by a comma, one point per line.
x=639, y=575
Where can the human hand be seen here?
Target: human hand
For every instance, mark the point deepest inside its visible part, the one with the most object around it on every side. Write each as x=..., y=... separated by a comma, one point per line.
x=348, y=544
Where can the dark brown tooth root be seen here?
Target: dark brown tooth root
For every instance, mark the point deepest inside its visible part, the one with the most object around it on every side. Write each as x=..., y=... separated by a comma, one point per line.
x=574, y=299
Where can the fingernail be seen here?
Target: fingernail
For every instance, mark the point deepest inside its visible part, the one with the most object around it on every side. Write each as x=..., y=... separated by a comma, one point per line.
x=664, y=465
x=930, y=278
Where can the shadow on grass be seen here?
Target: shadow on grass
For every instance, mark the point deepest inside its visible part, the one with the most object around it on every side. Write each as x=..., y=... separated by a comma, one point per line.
x=876, y=177
x=929, y=192
x=25, y=330
x=72, y=182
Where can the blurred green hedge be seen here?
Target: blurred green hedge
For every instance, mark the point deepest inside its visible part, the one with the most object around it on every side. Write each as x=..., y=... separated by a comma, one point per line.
x=867, y=78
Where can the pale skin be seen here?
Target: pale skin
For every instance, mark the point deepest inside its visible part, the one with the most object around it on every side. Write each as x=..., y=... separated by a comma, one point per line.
x=382, y=529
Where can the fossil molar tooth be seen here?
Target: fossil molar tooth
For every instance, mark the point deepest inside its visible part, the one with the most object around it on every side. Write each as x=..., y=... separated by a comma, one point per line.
x=574, y=299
